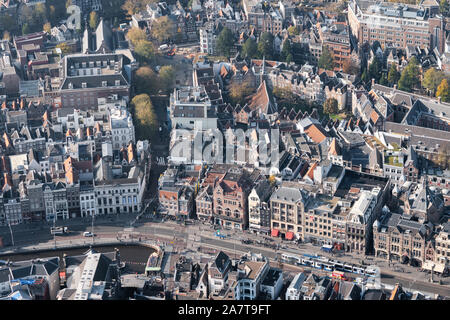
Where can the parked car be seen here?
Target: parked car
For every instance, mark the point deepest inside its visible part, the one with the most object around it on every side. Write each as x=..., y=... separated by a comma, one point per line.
x=88, y=234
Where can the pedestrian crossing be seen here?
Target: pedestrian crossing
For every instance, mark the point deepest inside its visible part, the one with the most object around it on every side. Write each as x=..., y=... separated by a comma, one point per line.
x=161, y=161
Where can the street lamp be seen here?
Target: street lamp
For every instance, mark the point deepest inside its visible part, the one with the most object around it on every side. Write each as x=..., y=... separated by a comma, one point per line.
x=92, y=228
x=10, y=230
x=54, y=225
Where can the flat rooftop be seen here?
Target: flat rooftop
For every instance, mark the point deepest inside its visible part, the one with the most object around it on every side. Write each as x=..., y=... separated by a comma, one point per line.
x=271, y=277
x=359, y=180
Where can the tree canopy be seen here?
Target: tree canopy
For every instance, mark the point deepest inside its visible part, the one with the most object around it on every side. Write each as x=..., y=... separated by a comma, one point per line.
x=443, y=91
x=410, y=77
x=431, y=79
x=162, y=29
x=144, y=116
x=225, y=42
x=146, y=81
x=134, y=6
x=145, y=51
x=286, y=50
x=326, y=60
x=350, y=67
x=293, y=31
x=249, y=49
x=265, y=45
x=65, y=48
x=383, y=80
x=167, y=78
x=47, y=27
x=330, y=106
x=239, y=92
x=93, y=20
x=135, y=35
x=375, y=69
x=289, y=100
x=444, y=6
x=393, y=75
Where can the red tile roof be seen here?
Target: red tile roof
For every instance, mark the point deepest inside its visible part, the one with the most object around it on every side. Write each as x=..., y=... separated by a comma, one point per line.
x=374, y=117
x=310, y=172
x=316, y=133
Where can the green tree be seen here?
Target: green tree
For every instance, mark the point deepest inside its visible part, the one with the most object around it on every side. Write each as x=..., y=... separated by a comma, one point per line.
x=249, y=49
x=289, y=58
x=410, y=77
x=443, y=91
x=393, y=75
x=25, y=29
x=93, y=20
x=167, y=78
x=40, y=12
x=113, y=9
x=225, y=42
x=135, y=35
x=431, y=79
x=239, y=92
x=375, y=45
x=145, y=117
x=162, y=29
x=299, y=53
x=47, y=27
x=134, y=6
x=443, y=158
x=6, y=36
x=444, y=6
x=365, y=77
x=375, y=70
x=146, y=81
x=65, y=48
x=330, y=106
x=289, y=100
x=350, y=67
x=286, y=50
x=326, y=60
x=383, y=80
x=293, y=31
x=265, y=45
x=9, y=24
x=52, y=13
x=145, y=51
x=272, y=180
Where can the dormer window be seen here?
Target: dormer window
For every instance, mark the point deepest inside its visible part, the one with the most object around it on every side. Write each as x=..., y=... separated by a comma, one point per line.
x=117, y=82
x=104, y=83
x=84, y=85
x=70, y=85
x=83, y=64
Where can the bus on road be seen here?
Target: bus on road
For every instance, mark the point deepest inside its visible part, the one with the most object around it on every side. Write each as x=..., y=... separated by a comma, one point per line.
x=59, y=230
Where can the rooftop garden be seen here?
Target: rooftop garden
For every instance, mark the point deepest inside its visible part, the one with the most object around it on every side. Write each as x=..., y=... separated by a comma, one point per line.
x=392, y=161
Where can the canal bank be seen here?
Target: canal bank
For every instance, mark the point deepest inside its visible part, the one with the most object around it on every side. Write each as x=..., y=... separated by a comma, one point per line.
x=135, y=254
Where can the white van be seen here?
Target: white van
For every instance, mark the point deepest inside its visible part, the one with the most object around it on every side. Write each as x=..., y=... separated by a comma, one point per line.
x=88, y=234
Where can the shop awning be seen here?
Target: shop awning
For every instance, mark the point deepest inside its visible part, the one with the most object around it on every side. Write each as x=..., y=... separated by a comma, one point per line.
x=436, y=267
x=275, y=232
x=289, y=235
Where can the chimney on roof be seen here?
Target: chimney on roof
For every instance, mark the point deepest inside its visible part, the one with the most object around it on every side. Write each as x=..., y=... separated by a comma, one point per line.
x=395, y=87
x=439, y=99
x=373, y=81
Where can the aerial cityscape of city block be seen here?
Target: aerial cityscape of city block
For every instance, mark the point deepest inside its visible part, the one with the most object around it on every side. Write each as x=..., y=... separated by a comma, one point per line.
x=224, y=150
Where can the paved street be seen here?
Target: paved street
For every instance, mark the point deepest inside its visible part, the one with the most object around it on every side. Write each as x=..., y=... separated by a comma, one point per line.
x=178, y=235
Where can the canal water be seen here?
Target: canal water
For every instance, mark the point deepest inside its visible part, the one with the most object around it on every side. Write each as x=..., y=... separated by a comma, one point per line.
x=134, y=256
